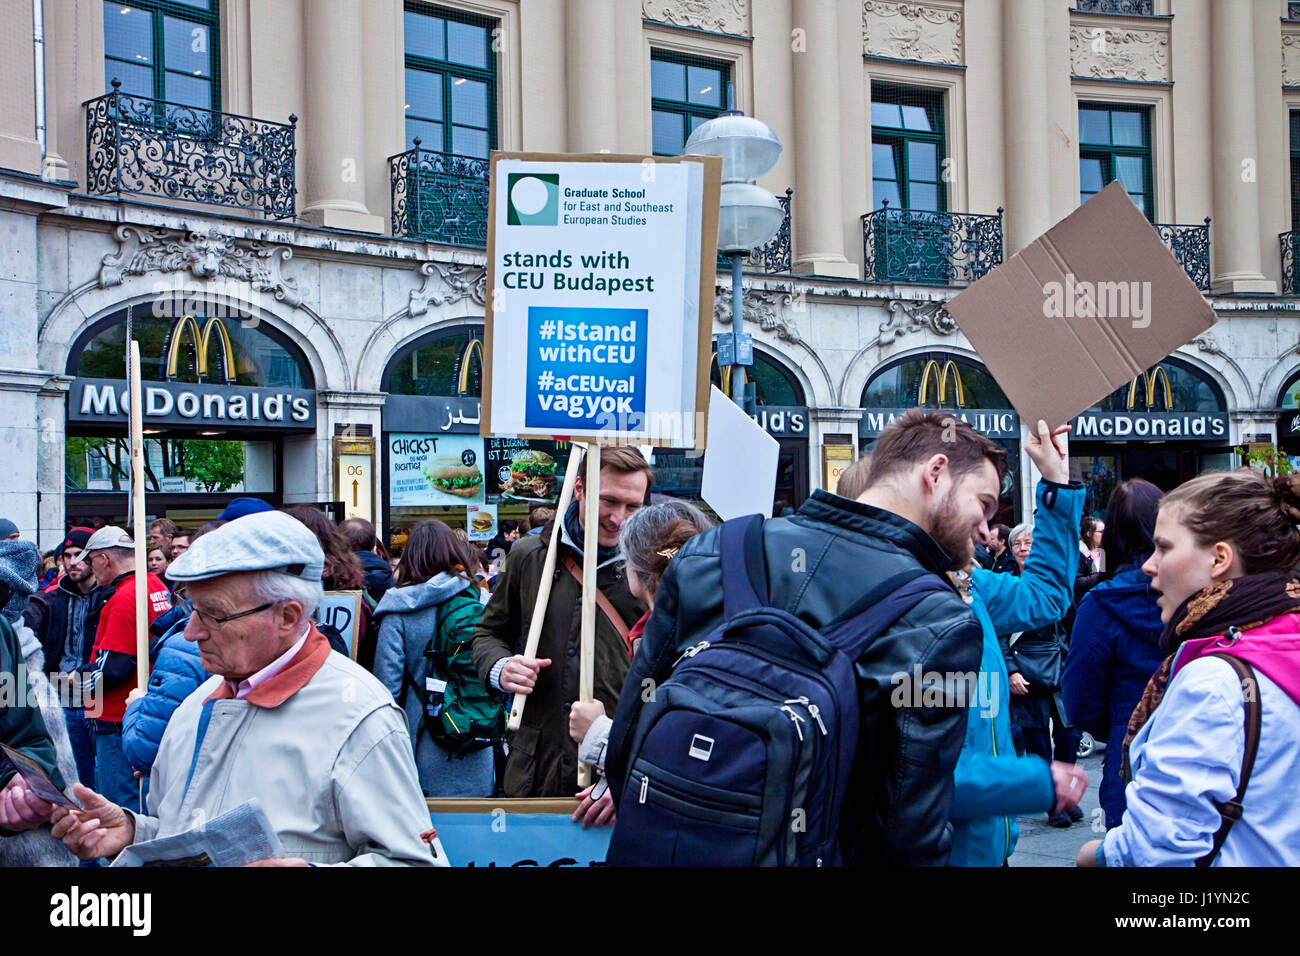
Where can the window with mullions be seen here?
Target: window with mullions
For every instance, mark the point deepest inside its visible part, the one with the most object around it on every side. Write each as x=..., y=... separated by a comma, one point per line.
x=1295, y=169
x=907, y=148
x=450, y=82
x=1115, y=143
x=164, y=50
x=684, y=93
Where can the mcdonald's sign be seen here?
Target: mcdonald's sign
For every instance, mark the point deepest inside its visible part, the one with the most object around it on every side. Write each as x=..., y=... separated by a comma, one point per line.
x=941, y=382
x=1150, y=378
x=462, y=385
x=201, y=342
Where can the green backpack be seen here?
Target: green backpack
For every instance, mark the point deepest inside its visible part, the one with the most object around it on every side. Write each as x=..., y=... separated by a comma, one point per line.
x=460, y=713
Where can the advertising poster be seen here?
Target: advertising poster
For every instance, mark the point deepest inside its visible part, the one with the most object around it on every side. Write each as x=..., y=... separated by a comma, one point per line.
x=524, y=470
x=481, y=522
x=602, y=273
x=426, y=470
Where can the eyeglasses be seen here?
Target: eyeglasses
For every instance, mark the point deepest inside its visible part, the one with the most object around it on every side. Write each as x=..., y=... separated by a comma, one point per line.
x=211, y=620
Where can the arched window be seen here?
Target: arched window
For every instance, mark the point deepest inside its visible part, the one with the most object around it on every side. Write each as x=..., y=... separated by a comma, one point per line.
x=1290, y=395
x=773, y=383
x=446, y=362
x=933, y=380
x=1169, y=385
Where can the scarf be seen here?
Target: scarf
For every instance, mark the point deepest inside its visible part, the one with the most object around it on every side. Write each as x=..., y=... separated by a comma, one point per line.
x=574, y=530
x=1240, y=604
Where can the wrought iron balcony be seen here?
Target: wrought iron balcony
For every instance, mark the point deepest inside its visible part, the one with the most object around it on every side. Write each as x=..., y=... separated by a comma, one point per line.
x=139, y=145
x=1191, y=247
x=1290, y=254
x=1125, y=8
x=774, y=256
x=912, y=246
x=439, y=197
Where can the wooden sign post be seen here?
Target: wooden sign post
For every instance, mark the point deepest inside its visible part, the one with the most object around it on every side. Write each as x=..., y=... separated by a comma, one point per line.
x=138, y=531
x=590, y=542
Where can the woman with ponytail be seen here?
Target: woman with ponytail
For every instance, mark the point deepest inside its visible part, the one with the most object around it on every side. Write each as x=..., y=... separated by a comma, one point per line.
x=1226, y=550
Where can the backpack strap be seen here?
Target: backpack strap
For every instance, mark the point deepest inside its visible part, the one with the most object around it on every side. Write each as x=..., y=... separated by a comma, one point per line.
x=873, y=613
x=604, y=604
x=1231, y=811
x=744, y=580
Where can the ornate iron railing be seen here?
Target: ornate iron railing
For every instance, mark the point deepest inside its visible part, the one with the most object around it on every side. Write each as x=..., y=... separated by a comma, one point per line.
x=139, y=145
x=929, y=248
x=1290, y=242
x=1126, y=8
x=774, y=256
x=439, y=197
x=1191, y=247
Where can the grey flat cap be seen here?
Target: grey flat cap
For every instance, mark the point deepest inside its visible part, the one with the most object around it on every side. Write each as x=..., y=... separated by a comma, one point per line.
x=267, y=541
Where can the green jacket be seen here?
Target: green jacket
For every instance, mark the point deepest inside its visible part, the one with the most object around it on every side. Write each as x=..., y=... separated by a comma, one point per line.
x=543, y=759
x=21, y=726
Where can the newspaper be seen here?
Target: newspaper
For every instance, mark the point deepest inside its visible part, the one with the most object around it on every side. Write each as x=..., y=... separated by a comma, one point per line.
x=238, y=836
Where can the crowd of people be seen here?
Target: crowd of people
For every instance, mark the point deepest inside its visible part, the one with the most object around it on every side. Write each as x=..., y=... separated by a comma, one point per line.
x=1168, y=630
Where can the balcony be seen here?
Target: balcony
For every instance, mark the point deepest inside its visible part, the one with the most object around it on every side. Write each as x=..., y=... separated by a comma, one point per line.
x=1123, y=8
x=142, y=146
x=439, y=197
x=915, y=247
x=773, y=257
x=1290, y=242
x=1191, y=247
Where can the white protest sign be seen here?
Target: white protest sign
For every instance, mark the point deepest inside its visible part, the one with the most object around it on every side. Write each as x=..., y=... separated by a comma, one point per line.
x=740, y=462
x=600, y=276
x=341, y=610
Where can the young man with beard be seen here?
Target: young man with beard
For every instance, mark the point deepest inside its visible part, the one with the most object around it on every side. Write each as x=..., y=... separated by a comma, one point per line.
x=932, y=488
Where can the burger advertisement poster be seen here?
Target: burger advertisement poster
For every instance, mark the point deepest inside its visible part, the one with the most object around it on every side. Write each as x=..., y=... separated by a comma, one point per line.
x=526, y=471
x=428, y=470
x=481, y=522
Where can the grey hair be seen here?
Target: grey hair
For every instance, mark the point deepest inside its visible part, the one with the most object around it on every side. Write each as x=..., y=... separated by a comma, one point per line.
x=1018, y=530
x=278, y=586
x=642, y=533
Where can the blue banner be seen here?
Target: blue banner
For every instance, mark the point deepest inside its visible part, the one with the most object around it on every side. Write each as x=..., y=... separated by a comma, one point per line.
x=499, y=838
x=586, y=368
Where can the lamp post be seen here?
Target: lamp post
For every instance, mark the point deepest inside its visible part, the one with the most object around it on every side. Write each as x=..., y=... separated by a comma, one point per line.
x=749, y=216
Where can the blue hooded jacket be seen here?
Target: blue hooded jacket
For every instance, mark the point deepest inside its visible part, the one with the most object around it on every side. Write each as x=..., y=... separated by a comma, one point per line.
x=991, y=783
x=1114, y=651
x=176, y=674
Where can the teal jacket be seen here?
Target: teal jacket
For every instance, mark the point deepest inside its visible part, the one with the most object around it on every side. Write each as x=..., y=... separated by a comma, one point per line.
x=991, y=783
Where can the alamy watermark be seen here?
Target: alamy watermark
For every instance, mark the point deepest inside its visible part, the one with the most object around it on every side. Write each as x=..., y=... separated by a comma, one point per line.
x=1098, y=300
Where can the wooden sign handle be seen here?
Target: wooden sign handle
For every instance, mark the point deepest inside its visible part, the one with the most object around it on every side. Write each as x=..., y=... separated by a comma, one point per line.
x=590, y=544
x=138, y=532
x=544, y=588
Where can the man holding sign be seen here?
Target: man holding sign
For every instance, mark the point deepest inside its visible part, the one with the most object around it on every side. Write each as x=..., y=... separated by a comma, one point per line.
x=543, y=760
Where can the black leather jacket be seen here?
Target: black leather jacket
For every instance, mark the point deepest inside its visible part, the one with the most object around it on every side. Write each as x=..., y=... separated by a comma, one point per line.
x=818, y=563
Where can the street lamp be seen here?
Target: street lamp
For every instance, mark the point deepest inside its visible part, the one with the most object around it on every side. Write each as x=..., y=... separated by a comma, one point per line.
x=748, y=217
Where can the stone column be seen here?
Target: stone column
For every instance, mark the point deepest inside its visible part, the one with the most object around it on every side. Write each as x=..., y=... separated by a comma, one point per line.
x=818, y=211
x=1237, y=263
x=1026, y=150
x=591, y=67
x=333, y=136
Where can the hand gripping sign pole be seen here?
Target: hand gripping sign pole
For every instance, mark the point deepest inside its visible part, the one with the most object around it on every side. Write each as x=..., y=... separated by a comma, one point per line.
x=138, y=531
x=590, y=542
x=544, y=588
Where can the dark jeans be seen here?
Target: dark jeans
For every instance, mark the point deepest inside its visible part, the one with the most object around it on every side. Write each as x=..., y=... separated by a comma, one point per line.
x=83, y=744
x=1062, y=743
x=114, y=778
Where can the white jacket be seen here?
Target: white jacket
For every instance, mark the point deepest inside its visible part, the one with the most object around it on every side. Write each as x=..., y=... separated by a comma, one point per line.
x=321, y=745
x=1189, y=753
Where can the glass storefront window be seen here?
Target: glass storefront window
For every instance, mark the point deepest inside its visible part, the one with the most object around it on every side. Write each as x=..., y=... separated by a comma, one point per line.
x=1190, y=390
x=899, y=386
x=433, y=366
x=172, y=465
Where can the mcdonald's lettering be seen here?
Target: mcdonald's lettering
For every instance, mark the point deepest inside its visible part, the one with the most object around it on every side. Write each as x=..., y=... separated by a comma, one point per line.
x=201, y=342
x=1150, y=378
x=1178, y=426
x=941, y=380
x=98, y=400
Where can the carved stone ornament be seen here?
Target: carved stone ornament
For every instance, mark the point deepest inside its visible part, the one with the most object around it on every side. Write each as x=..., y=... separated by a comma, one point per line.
x=1207, y=343
x=764, y=308
x=1290, y=59
x=444, y=284
x=1119, y=54
x=715, y=16
x=912, y=31
x=143, y=249
x=907, y=317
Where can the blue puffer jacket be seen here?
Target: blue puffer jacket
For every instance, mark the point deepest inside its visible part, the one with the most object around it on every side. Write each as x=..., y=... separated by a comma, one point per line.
x=991, y=783
x=1113, y=653
x=175, y=674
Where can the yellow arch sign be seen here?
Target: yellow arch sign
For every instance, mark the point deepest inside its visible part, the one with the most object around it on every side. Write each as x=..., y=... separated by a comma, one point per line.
x=1150, y=380
x=941, y=382
x=200, y=346
x=474, y=345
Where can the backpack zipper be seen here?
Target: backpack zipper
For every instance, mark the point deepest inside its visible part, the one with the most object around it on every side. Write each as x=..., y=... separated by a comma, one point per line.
x=813, y=711
x=645, y=786
x=794, y=719
x=691, y=652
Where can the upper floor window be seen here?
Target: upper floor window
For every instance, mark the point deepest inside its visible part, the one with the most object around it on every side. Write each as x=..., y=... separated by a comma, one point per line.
x=684, y=92
x=450, y=81
x=164, y=50
x=907, y=148
x=1115, y=143
x=1295, y=169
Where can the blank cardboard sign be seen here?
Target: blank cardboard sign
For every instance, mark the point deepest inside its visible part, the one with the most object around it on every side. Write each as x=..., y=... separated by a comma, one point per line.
x=1094, y=301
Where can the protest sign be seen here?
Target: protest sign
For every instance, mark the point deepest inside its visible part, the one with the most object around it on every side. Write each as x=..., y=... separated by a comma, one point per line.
x=1080, y=311
x=516, y=832
x=435, y=469
x=600, y=308
x=341, y=610
x=481, y=522
x=523, y=470
x=739, y=464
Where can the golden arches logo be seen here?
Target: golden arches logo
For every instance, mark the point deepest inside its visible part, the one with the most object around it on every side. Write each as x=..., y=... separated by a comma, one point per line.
x=200, y=346
x=941, y=382
x=1150, y=380
x=724, y=375
x=462, y=384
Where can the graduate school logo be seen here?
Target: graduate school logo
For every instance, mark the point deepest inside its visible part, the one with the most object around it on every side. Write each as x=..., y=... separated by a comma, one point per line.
x=532, y=199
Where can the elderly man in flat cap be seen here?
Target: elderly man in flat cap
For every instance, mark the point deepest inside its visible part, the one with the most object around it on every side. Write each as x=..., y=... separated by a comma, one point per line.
x=308, y=732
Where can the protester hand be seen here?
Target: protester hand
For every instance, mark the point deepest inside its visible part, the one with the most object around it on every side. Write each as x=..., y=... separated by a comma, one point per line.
x=520, y=673
x=280, y=861
x=101, y=829
x=582, y=715
x=20, y=809
x=598, y=812
x=1087, y=854
x=1070, y=782
x=1048, y=453
x=1018, y=683
x=136, y=694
